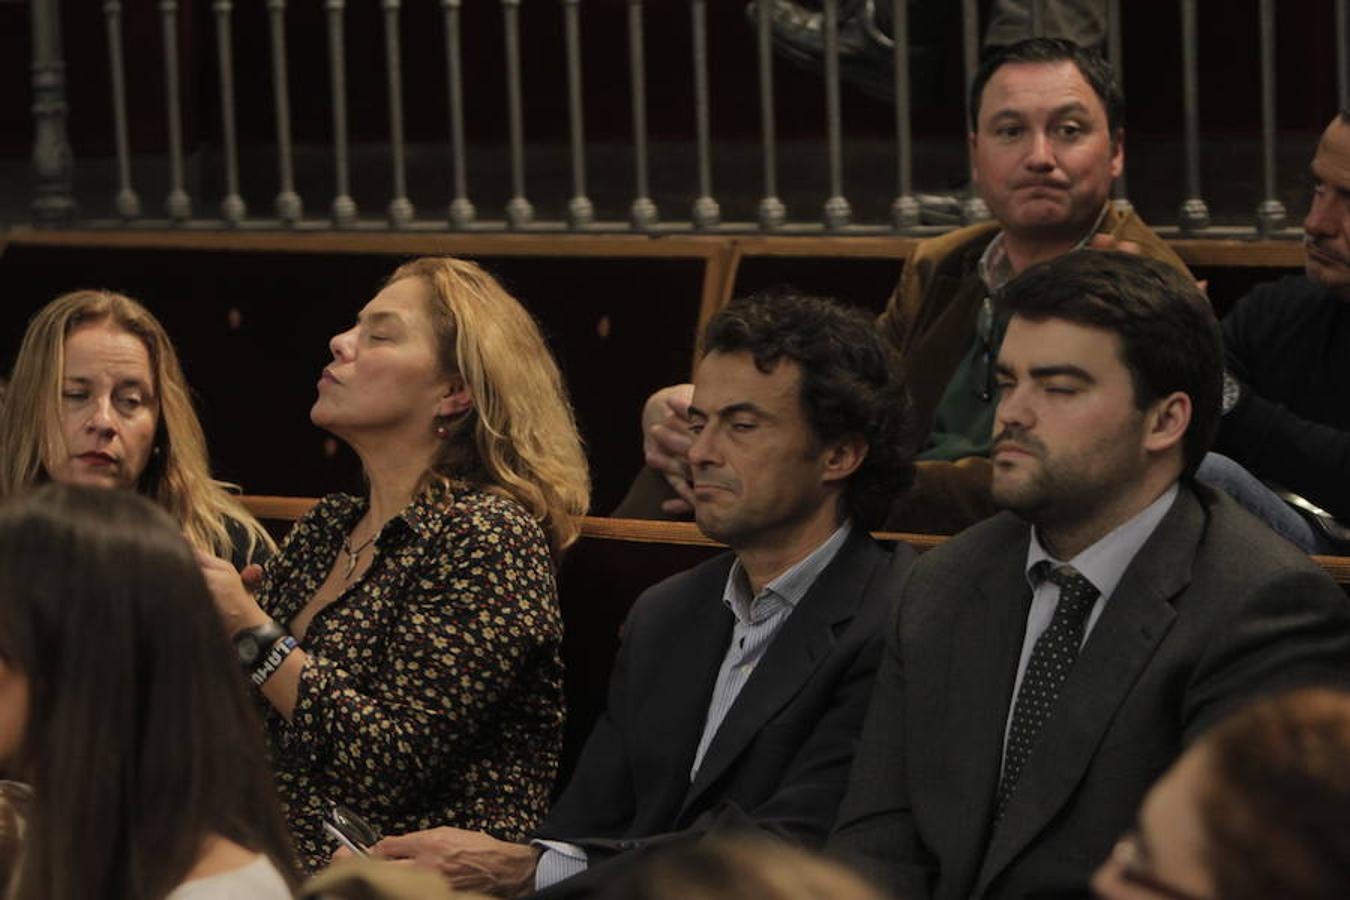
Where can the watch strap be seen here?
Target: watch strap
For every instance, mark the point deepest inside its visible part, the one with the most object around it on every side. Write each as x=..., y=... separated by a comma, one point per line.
x=272, y=660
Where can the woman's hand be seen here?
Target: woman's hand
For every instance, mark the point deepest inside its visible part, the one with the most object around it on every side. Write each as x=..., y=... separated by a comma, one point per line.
x=233, y=592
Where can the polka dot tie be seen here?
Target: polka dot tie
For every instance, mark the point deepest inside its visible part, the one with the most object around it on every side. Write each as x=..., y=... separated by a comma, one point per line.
x=1051, y=658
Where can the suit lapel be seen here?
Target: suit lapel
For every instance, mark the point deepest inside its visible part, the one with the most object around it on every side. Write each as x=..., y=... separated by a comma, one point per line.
x=676, y=704
x=946, y=339
x=980, y=691
x=788, y=663
x=1134, y=621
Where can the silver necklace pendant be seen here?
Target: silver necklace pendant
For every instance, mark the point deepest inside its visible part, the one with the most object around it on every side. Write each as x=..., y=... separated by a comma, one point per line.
x=354, y=555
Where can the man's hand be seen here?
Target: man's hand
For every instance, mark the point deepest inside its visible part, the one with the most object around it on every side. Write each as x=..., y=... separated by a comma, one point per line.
x=468, y=860
x=666, y=440
x=1101, y=241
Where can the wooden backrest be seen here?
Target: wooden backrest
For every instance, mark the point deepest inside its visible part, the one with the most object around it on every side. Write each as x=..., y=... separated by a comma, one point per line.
x=613, y=562
x=638, y=532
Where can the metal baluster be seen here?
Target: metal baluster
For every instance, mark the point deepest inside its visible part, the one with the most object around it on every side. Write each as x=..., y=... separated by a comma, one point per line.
x=837, y=212
x=288, y=205
x=178, y=204
x=232, y=207
x=772, y=212
x=519, y=212
x=1270, y=215
x=904, y=208
x=1194, y=215
x=1342, y=54
x=128, y=205
x=400, y=207
x=53, y=165
x=344, y=207
x=580, y=212
x=706, y=211
x=643, y=213
x=1114, y=37
x=462, y=212
x=973, y=208
x=1038, y=18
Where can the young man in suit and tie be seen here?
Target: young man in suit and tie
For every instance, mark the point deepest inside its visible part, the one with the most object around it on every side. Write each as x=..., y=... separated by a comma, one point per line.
x=1045, y=666
x=739, y=690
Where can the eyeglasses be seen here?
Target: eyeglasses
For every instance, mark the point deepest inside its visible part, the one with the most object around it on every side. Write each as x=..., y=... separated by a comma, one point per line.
x=982, y=372
x=1131, y=868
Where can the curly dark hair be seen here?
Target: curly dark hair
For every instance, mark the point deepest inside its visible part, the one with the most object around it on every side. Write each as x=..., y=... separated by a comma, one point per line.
x=1094, y=67
x=850, y=382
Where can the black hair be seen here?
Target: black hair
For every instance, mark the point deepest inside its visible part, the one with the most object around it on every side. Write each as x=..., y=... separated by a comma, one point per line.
x=1095, y=69
x=1169, y=338
x=850, y=382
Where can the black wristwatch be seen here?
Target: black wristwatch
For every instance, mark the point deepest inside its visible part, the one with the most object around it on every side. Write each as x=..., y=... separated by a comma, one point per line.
x=253, y=643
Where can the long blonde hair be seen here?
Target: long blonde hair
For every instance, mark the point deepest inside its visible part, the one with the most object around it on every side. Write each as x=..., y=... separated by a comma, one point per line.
x=178, y=476
x=520, y=436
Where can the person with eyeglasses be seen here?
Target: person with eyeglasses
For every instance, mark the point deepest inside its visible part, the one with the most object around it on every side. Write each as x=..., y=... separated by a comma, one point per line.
x=1255, y=809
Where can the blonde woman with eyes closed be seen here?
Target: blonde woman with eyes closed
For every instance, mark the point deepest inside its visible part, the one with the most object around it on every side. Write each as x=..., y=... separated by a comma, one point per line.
x=407, y=642
x=96, y=396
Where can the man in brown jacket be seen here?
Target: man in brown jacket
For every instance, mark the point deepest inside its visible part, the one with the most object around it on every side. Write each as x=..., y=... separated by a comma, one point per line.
x=1047, y=140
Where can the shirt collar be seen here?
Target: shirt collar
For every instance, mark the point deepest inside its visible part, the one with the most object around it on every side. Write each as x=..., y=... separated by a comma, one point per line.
x=995, y=269
x=424, y=516
x=1105, y=562
x=785, y=590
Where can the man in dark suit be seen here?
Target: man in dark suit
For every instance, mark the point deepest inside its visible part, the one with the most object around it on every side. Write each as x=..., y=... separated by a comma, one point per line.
x=1045, y=666
x=740, y=688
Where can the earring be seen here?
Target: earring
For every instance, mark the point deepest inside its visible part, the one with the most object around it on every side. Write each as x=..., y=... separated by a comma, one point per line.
x=442, y=432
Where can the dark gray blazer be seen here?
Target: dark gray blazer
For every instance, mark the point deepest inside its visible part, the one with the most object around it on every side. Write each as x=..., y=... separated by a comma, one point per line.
x=780, y=759
x=1214, y=608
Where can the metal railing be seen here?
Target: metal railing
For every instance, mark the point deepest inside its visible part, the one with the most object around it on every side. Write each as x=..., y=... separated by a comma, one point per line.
x=55, y=204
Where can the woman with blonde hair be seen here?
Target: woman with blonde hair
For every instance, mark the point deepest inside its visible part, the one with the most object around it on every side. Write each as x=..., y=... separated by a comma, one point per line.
x=408, y=641
x=741, y=866
x=97, y=396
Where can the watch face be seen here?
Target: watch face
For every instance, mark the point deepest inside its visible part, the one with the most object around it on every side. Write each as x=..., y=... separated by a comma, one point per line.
x=247, y=648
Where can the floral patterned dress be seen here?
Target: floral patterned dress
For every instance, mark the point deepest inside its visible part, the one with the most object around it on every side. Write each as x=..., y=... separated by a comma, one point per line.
x=432, y=694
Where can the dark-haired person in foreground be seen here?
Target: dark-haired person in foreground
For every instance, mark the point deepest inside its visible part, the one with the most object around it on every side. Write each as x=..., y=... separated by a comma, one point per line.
x=122, y=705
x=1047, y=138
x=1044, y=667
x=740, y=687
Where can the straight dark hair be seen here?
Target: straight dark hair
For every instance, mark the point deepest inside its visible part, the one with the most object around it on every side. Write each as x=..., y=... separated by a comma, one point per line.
x=850, y=382
x=141, y=742
x=1170, y=340
x=1094, y=67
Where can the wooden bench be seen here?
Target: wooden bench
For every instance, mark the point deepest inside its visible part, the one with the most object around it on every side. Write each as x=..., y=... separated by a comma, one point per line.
x=603, y=573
